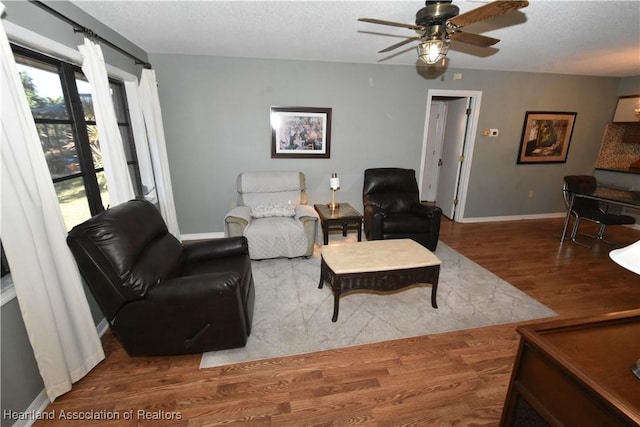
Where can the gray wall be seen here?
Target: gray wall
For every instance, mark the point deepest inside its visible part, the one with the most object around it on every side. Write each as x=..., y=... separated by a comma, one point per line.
x=20, y=379
x=216, y=116
x=628, y=86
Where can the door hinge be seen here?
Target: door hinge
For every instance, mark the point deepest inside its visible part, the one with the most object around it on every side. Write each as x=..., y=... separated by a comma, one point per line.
x=461, y=158
x=440, y=162
x=468, y=111
x=455, y=202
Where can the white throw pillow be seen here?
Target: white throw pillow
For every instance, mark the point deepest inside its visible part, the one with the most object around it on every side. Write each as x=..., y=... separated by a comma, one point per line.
x=265, y=210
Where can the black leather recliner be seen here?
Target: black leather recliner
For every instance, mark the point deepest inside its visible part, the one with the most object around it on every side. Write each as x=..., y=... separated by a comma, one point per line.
x=392, y=208
x=161, y=296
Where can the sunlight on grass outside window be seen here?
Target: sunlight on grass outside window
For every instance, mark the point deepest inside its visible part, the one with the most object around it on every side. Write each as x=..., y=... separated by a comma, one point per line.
x=73, y=199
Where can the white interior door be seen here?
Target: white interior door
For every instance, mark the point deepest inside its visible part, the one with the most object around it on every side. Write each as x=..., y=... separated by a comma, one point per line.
x=432, y=158
x=452, y=151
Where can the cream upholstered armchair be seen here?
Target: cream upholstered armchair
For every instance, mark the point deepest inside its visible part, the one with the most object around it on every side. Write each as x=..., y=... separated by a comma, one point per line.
x=273, y=215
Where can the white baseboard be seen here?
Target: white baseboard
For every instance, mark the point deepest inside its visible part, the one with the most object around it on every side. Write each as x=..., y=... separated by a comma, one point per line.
x=102, y=327
x=514, y=217
x=217, y=235
x=37, y=409
x=201, y=236
x=523, y=217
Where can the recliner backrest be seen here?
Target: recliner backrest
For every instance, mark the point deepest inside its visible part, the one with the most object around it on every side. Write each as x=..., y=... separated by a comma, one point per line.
x=391, y=189
x=124, y=251
x=271, y=187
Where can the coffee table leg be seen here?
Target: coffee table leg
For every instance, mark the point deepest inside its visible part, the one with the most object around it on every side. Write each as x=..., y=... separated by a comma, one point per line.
x=336, y=305
x=322, y=273
x=434, y=288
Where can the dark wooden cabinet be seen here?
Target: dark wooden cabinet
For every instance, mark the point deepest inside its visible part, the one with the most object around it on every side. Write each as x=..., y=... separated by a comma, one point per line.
x=576, y=372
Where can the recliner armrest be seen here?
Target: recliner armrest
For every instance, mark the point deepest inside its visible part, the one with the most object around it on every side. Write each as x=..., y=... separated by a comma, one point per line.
x=373, y=220
x=374, y=210
x=237, y=220
x=425, y=210
x=193, y=289
x=242, y=212
x=306, y=210
x=201, y=250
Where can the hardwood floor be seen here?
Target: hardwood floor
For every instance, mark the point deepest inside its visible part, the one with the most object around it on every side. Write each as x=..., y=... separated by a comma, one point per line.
x=453, y=379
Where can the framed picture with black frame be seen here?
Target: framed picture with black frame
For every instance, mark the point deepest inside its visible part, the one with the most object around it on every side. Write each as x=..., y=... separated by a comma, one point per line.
x=546, y=137
x=300, y=133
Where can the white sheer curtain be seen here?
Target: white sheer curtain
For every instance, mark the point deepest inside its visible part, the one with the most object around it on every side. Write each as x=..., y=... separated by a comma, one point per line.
x=54, y=308
x=158, y=148
x=113, y=157
x=140, y=139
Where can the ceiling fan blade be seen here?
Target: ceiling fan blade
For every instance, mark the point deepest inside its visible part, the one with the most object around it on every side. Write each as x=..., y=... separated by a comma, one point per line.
x=474, y=39
x=489, y=10
x=397, y=45
x=393, y=24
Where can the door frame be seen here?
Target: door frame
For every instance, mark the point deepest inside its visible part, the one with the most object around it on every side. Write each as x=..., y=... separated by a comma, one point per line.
x=468, y=144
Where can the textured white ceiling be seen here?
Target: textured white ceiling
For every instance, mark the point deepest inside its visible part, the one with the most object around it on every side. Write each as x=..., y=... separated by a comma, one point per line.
x=599, y=38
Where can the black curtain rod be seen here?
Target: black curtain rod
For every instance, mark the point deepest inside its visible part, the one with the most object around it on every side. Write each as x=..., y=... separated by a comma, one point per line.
x=77, y=28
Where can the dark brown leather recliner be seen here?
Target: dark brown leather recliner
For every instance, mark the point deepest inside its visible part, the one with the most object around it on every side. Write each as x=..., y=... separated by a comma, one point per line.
x=392, y=208
x=159, y=295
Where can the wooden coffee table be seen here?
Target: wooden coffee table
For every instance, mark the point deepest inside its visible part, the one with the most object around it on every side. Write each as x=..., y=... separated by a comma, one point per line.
x=377, y=265
x=345, y=217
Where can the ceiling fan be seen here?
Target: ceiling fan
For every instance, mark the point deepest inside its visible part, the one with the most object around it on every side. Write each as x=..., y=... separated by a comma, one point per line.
x=439, y=22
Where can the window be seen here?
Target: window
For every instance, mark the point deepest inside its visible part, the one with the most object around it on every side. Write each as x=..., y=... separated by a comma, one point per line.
x=4, y=265
x=60, y=100
x=7, y=291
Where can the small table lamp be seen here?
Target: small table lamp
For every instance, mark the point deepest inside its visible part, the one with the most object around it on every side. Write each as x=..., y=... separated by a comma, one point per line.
x=334, y=184
x=629, y=258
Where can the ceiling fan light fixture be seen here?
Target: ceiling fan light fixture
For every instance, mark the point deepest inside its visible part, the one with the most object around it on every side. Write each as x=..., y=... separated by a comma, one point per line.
x=433, y=51
x=440, y=21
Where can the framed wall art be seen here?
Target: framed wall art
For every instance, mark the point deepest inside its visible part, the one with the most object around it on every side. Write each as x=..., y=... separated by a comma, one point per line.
x=300, y=132
x=546, y=137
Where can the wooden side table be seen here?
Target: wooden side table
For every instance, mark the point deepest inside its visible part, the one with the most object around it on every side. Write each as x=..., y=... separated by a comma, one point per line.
x=345, y=217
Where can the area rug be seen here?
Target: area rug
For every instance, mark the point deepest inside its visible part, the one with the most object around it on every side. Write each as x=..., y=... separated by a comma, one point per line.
x=292, y=316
